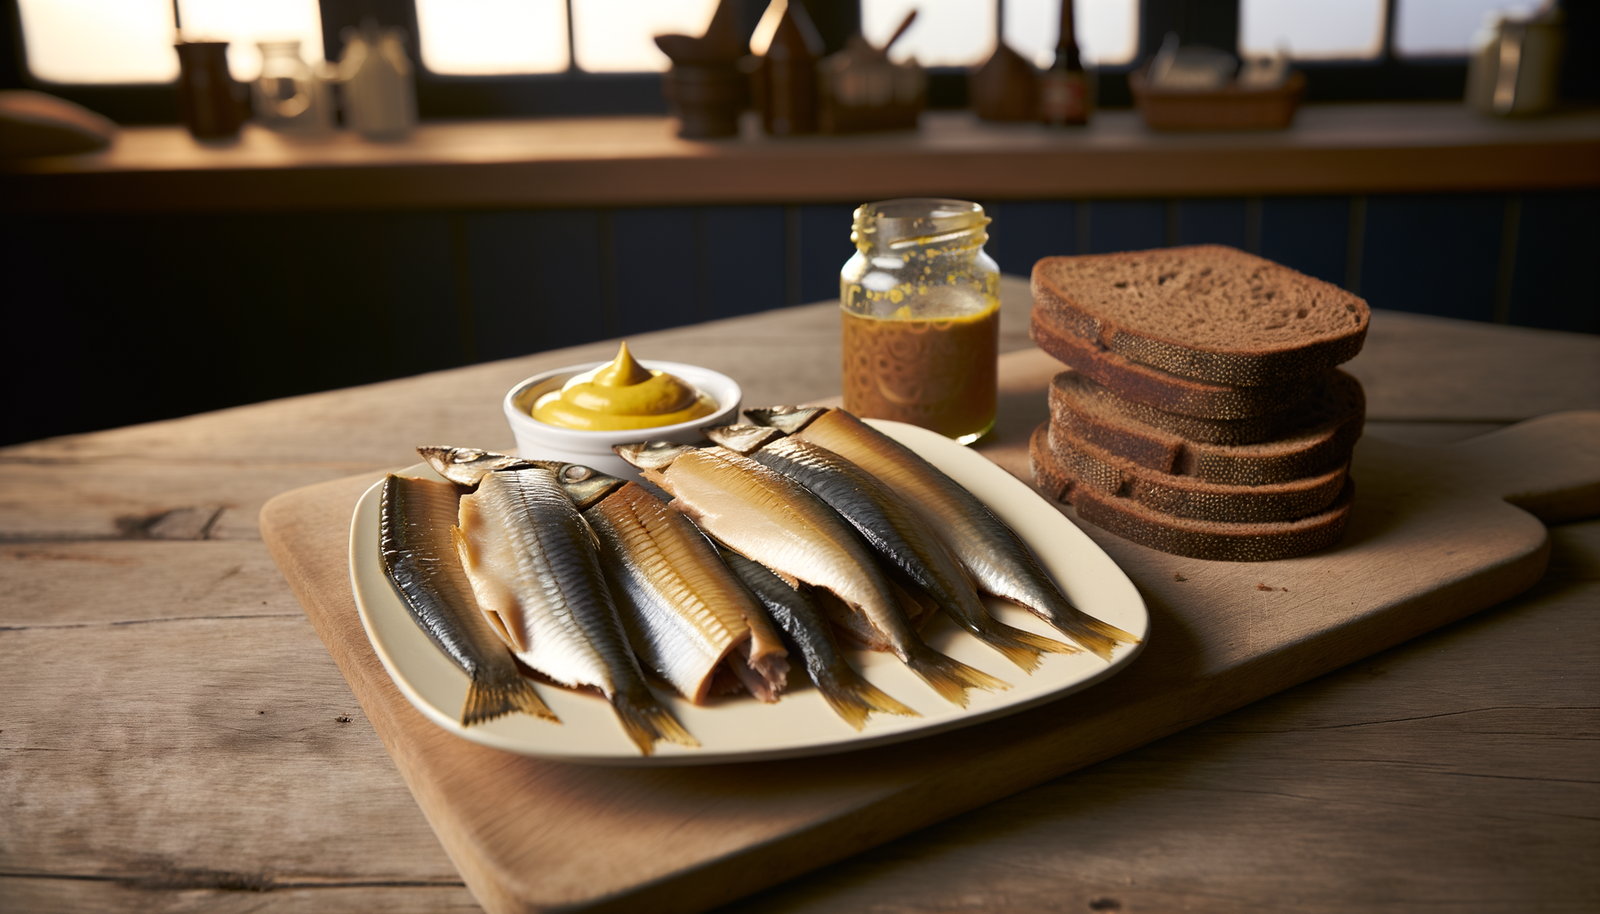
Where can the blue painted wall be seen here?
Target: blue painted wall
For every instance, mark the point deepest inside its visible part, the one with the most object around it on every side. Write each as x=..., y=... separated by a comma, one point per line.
x=269, y=306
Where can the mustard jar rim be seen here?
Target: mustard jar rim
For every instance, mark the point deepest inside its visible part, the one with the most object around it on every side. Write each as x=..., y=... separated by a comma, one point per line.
x=921, y=221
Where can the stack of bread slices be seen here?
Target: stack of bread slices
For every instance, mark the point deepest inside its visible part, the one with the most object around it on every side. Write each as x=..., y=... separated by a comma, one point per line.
x=1202, y=414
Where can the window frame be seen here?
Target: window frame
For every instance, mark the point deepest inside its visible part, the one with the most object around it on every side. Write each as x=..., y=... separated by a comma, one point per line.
x=577, y=93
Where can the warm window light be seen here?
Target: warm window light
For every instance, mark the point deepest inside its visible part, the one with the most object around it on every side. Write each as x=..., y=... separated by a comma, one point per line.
x=242, y=23
x=99, y=41
x=1435, y=28
x=1312, y=29
x=1107, y=31
x=618, y=36
x=489, y=37
x=947, y=33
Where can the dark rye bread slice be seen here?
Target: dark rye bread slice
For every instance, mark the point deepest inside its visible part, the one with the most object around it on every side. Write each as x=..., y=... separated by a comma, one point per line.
x=1208, y=312
x=1185, y=496
x=1222, y=542
x=1153, y=387
x=1311, y=438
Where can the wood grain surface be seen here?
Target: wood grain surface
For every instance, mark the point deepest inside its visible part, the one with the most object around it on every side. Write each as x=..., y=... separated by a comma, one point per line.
x=1431, y=540
x=1456, y=771
x=639, y=161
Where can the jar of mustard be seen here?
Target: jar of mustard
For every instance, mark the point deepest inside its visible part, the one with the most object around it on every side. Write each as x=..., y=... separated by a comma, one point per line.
x=921, y=315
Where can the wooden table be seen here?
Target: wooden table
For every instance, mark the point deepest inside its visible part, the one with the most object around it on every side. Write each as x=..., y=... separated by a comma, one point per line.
x=175, y=736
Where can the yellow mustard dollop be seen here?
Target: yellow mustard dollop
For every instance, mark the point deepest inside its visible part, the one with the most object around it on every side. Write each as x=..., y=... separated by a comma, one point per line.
x=620, y=395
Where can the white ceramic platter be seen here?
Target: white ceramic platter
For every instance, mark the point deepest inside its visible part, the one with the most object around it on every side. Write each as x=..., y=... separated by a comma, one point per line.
x=743, y=729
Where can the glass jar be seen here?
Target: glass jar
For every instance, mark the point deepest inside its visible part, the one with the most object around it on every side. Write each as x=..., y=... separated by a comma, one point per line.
x=921, y=314
x=288, y=95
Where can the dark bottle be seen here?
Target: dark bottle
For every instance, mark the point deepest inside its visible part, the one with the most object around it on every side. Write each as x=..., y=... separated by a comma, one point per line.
x=1064, y=88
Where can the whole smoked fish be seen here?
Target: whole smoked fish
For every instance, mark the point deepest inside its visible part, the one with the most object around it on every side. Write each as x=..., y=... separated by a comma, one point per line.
x=535, y=570
x=419, y=556
x=846, y=692
x=991, y=552
x=771, y=519
x=685, y=613
x=893, y=527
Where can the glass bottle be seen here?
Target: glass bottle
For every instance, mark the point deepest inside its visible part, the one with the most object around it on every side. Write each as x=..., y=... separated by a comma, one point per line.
x=921, y=315
x=287, y=93
x=1064, y=89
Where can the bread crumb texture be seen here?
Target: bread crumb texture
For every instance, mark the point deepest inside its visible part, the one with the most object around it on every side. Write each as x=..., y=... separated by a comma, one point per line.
x=1206, y=311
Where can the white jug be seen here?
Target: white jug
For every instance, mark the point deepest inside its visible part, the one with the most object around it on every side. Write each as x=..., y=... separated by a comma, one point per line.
x=380, y=99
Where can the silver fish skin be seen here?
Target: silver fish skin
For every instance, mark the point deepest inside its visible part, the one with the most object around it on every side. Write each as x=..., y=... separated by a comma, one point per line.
x=900, y=535
x=467, y=465
x=419, y=556
x=685, y=613
x=846, y=692
x=991, y=552
x=534, y=568
x=771, y=519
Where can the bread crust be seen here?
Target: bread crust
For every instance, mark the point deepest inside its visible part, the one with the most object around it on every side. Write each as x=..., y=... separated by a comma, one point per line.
x=1165, y=391
x=1206, y=312
x=1185, y=496
x=1307, y=440
x=1210, y=540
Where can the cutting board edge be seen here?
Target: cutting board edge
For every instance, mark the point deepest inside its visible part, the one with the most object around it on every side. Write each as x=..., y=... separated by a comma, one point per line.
x=842, y=836
x=734, y=875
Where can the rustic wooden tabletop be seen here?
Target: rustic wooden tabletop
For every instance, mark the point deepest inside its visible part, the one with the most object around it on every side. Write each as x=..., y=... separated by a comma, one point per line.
x=175, y=735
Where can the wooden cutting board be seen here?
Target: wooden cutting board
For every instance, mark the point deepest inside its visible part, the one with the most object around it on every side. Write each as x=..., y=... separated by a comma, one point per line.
x=1432, y=539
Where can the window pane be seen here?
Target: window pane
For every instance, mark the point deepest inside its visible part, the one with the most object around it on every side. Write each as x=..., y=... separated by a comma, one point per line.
x=99, y=41
x=618, y=36
x=1439, y=27
x=486, y=37
x=1107, y=30
x=1312, y=29
x=947, y=33
x=245, y=22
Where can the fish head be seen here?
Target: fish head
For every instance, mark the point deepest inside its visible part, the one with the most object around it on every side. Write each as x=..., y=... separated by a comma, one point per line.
x=652, y=455
x=742, y=439
x=584, y=486
x=467, y=465
x=787, y=419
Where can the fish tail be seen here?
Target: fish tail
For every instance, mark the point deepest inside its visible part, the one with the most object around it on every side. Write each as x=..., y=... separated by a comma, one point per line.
x=855, y=698
x=488, y=700
x=1098, y=637
x=950, y=677
x=1021, y=647
x=647, y=721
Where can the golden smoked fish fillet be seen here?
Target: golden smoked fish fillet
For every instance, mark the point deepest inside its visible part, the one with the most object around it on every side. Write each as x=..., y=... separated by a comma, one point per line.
x=991, y=552
x=685, y=612
x=534, y=568
x=896, y=530
x=771, y=519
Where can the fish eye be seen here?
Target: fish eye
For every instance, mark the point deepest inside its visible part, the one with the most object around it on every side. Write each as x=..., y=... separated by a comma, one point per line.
x=573, y=472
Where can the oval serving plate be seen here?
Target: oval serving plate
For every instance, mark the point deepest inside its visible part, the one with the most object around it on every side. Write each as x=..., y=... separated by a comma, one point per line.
x=742, y=729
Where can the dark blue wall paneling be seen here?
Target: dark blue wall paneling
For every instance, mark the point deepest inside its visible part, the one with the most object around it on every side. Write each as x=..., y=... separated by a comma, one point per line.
x=654, y=254
x=1434, y=254
x=745, y=260
x=534, y=281
x=824, y=247
x=1216, y=221
x=1024, y=232
x=1310, y=234
x=196, y=312
x=1558, y=245
x=1126, y=225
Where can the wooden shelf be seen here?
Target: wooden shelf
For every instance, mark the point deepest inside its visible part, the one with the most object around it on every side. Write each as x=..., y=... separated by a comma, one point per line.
x=638, y=161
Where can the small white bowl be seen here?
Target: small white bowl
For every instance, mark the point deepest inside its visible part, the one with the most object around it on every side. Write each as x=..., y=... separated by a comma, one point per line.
x=543, y=441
